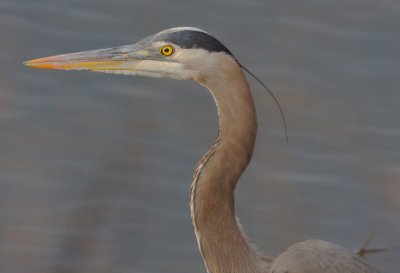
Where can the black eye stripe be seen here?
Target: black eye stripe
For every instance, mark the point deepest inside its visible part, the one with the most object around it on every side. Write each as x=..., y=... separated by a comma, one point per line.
x=193, y=39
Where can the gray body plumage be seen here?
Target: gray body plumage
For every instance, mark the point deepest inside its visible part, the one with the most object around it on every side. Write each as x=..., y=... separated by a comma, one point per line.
x=319, y=256
x=200, y=57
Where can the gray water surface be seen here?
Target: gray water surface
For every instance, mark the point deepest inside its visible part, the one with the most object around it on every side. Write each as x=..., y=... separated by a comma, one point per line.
x=95, y=169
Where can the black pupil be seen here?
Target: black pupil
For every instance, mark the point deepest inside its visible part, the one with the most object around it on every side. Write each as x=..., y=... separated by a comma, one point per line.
x=166, y=50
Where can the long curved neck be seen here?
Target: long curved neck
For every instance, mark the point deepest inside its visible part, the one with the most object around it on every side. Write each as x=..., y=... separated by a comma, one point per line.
x=222, y=244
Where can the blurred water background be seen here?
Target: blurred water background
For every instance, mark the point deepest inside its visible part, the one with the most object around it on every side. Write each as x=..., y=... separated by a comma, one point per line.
x=95, y=169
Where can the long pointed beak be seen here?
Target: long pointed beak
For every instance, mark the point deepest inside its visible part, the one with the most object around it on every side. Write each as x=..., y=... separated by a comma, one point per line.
x=110, y=59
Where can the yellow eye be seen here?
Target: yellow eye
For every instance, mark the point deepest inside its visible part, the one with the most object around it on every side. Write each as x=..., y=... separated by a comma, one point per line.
x=167, y=50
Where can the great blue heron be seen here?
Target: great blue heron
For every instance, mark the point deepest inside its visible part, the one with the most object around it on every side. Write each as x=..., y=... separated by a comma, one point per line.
x=187, y=53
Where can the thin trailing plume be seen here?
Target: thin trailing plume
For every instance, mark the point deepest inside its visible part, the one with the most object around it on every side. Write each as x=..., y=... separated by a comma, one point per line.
x=272, y=95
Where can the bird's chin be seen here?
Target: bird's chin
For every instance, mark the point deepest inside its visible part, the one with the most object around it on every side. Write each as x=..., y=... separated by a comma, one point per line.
x=160, y=69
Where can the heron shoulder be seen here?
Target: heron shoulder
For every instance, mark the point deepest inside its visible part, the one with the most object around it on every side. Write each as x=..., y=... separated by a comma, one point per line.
x=319, y=256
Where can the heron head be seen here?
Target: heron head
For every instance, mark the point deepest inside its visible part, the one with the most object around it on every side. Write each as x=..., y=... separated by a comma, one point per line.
x=180, y=53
